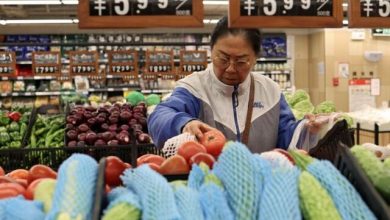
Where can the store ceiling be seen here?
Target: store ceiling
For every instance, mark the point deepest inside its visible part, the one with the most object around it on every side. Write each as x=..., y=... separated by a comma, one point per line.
x=70, y=11
x=64, y=11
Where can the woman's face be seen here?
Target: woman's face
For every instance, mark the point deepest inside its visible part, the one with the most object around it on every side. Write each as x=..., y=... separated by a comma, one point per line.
x=233, y=58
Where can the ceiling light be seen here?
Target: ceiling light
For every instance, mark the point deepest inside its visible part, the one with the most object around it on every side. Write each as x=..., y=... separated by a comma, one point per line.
x=345, y=4
x=39, y=2
x=210, y=21
x=40, y=21
x=345, y=22
x=215, y=2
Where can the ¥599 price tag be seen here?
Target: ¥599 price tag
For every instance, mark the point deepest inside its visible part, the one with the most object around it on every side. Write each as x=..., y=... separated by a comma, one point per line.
x=375, y=8
x=139, y=7
x=286, y=7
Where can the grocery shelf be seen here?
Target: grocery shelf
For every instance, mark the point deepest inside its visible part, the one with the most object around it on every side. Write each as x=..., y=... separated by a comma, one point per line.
x=273, y=59
x=156, y=90
x=114, y=89
x=54, y=93
x=27, y=78
x=106, y=44
x=273, y=72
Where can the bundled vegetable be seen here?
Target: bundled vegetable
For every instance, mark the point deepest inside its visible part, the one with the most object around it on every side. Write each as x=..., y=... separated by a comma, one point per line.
x=347, y=200
x=48, y=131
x=377, y=171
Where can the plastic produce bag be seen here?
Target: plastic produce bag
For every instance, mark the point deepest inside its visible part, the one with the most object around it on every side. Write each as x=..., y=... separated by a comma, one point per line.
x=304, y=139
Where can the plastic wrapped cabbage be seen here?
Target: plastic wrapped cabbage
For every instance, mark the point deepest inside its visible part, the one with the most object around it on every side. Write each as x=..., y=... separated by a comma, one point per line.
x=297, y=114
x=298, y=96
x=152, y=99
x=304, y=106
x=325, y=107
x=135, y=97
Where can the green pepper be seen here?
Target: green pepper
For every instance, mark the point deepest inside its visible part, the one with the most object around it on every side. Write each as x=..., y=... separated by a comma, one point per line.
x=3, y=129
x=15, y=136
x=4, y=120
x=15, y=144
x=14, y=126
x=49, y=139
x=25, y=117
x=4, y=138
x=23, y=128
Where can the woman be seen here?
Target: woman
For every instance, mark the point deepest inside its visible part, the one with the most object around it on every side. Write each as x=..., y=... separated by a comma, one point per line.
x=220, y=98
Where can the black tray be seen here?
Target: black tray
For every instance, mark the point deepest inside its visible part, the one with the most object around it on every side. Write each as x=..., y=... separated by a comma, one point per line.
x=350, y=168
x=328, y=145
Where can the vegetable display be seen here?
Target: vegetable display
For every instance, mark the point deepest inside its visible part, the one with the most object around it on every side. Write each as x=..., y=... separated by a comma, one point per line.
x=106, y=125
x=13, y=125
x=47, y=131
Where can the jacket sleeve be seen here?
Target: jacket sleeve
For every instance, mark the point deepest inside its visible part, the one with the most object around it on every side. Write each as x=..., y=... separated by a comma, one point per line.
x=287, y=124
x=170, y=116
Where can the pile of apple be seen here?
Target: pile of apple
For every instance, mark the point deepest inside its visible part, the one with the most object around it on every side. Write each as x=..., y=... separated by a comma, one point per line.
x=206, y=150
x=24, y=182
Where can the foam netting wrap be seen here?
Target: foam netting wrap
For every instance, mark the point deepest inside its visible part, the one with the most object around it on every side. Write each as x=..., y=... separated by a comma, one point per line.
x=155, y=193
x=196, y=177
x=279, y=199
x=214, y=203
x=75, y=188
x=123, y=195
x=18, y=208
x=188, y=204
x=236, y=170
x=347, y=200
x=172, y=145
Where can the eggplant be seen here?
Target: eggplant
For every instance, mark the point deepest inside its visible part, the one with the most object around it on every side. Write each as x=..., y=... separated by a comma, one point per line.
x=81, y=137
x=107, y=136
x=113, y=120
x=72, y=143
x=124, y=127
x=113, y=143
x=123, y=138
x=104, y=127
x=113, y=127
x=91, y=122
x=70, y=119
x=71, y=135
x=144, y=138
x=83, y=128
x=69, y=126
x=100, y=142
x=81, y=144
x=125, y=116
x=90, y=138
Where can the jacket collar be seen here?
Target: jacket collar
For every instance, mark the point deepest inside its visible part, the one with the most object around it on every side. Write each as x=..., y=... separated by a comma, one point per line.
x=227, y=89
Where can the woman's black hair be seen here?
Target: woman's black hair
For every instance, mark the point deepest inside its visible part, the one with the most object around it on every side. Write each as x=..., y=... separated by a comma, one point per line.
x=222, y=29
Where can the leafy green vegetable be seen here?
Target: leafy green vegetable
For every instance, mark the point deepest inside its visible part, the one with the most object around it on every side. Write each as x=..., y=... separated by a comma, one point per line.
x=325, y=107
x=298, y=96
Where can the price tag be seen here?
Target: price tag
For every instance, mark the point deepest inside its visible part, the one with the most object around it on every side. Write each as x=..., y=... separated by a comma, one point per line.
x=286, y=13
x=110, y=89
x=192, y=61
x=46, y=63
x=124, y=63
x=369, y=13
x=134, y=13
x=83, y=63
x=7, y=63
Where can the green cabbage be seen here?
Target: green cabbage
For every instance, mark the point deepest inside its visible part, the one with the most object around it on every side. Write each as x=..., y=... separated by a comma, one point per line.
x=325, y=107
x=298, y=96
x=304, y=106
x=152, y=99
x=135, y=97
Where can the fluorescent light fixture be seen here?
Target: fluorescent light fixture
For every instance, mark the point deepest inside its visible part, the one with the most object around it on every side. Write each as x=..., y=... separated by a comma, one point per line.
x=345, y=4
x=345, y=22
x=39, y=2
x=222, y=2
x=40, y=21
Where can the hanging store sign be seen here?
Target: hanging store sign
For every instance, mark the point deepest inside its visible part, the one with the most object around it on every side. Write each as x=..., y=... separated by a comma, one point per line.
x=46, y=63
x=369, y=13
x=287, y=13
x=140, y=13
x=7, y=64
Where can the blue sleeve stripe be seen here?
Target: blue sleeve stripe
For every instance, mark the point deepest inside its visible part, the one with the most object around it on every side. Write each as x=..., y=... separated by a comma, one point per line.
x=287, y=124
x=170, y=116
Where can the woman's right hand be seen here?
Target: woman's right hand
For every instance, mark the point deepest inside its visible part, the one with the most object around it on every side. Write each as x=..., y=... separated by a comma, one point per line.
x=197, y=128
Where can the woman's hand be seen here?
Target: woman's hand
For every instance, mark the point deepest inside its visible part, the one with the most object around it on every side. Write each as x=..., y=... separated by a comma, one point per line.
x=197, y=128
x=315, y=122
